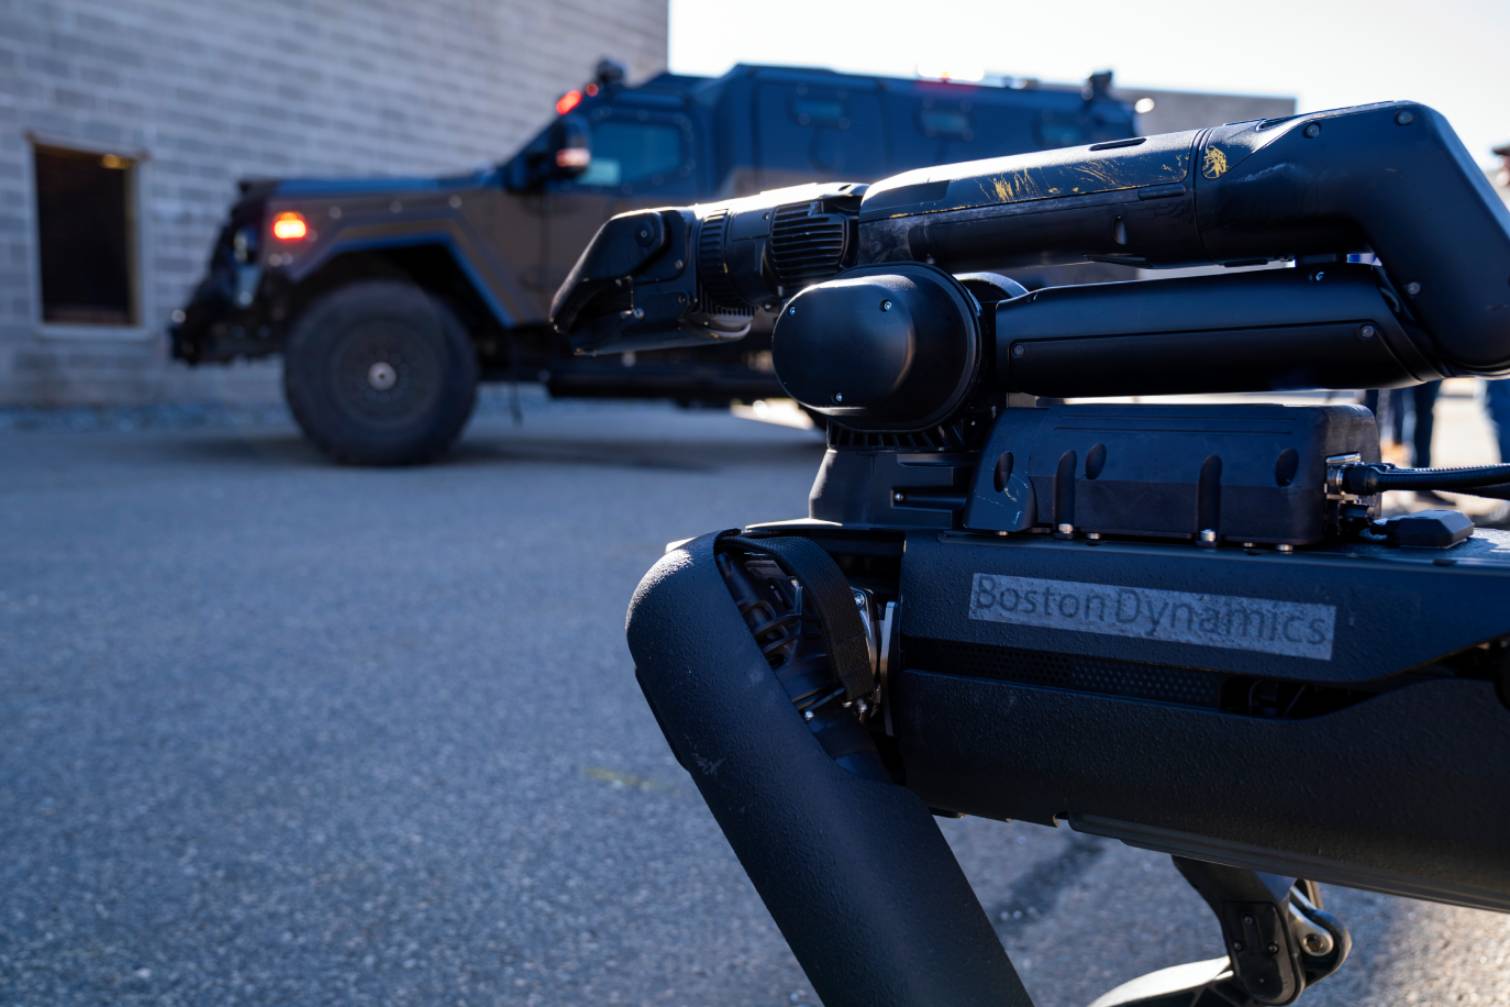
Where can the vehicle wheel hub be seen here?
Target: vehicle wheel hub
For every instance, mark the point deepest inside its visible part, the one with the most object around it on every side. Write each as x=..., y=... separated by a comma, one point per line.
x=382, y=376
x=386, y=372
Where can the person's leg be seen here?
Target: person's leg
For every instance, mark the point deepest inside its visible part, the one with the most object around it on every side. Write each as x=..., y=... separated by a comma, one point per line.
x=1397, y=408
x=1394, y=426
x=1387, y=405
x=1497, y=411
x=1423, y=402
x=1497, y=407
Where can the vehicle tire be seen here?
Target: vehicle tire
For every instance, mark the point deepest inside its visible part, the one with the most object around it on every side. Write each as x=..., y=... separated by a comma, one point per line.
x=380, y=373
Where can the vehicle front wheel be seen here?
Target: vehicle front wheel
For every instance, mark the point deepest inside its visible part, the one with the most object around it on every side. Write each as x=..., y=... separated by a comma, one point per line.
x=380, y=373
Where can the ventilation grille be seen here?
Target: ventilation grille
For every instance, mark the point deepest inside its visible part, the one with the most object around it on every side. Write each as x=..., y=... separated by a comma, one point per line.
x=1244, y=695
x=807, y=245
x=1075, y=672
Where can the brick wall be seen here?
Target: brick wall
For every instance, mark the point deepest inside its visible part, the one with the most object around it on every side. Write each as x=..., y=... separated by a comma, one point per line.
x=208, y=91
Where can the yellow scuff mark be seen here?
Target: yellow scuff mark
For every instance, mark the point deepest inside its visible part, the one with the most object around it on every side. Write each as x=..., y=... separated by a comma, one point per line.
x=1027, y=185
x=1003, y=189
x=1214, y=163
x=1099, y=174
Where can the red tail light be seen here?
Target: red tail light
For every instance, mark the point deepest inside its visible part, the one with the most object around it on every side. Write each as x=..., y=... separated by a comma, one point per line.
x=568, y=101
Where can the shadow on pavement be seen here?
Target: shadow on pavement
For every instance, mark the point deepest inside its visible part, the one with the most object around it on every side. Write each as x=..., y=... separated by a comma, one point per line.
x=692, y=455
x=668, y=454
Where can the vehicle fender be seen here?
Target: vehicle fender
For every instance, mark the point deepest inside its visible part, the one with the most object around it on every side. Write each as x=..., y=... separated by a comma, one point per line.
x=358, y=230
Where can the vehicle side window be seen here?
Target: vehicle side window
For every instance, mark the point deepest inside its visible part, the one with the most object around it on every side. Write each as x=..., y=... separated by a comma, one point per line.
x=1061, y=130
x=810, y=111
x=628, y=153
x=950, y=122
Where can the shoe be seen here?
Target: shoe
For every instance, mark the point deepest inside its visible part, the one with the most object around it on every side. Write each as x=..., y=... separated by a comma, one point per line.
x=1499, y=517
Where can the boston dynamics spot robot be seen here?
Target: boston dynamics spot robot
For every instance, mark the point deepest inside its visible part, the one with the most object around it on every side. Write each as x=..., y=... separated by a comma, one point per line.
x=1184, y=626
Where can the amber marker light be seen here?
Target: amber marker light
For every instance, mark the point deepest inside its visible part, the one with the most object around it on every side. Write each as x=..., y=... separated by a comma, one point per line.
x=290, y=226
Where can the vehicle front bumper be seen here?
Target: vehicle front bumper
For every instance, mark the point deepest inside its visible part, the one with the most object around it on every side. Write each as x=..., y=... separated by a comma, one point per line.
x=225, y=319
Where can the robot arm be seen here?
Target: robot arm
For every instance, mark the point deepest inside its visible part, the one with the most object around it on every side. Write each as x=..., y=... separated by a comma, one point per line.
x=1390, y=178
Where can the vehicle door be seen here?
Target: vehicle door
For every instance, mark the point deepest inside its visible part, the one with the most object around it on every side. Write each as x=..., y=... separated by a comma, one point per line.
x=936, y=123
x=639, y=157
x=817, y=130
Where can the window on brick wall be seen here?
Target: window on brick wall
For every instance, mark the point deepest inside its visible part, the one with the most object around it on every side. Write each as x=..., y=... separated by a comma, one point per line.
x=86, y=237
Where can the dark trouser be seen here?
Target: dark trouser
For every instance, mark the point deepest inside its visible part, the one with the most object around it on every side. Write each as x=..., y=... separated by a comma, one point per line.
x=1408, y=413
x=1388, y=407
x=1421, y=422
x=1497, y=408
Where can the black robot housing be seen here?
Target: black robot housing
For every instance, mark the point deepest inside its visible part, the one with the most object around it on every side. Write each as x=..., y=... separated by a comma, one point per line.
x=1184, y=626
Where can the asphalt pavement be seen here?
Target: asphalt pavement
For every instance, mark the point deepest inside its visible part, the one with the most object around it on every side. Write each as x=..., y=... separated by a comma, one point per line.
x=277, y=732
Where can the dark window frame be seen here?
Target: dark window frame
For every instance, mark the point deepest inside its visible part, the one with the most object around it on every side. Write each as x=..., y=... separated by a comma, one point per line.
x=827, y=111
x=949, y=121
x=640, y=117
x=53, y=318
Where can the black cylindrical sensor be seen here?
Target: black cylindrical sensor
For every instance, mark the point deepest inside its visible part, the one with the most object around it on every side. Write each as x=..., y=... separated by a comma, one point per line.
x=890, y=348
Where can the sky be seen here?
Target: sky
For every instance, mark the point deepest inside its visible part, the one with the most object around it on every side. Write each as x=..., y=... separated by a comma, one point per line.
x=1451, y=54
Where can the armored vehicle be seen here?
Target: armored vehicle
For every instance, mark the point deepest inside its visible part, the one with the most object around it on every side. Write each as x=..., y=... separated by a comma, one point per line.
x=391, y=298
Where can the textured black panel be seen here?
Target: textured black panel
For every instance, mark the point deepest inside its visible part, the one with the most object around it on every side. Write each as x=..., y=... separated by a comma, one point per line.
x=1403, y=792
x=1249, y=473
x=1076, y=672
x=1397, y=609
